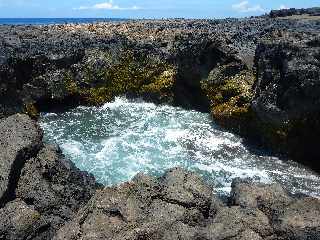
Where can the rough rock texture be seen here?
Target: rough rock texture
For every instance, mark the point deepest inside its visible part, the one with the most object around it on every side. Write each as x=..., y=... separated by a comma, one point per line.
x=179, y=205
x=287, y=94
x=40, y=189
x=229, y=89
x=163, y=61
x=20, y=139
x=295, y=12
x=167, y=208
x=290, y=218
x=267, y=198
x=300, y=220
x=207, y=65
x=55, y=187
x=17, y=220
x=200, y=64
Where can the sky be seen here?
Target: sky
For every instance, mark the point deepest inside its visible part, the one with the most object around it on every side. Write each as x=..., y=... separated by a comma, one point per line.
x=145, y=8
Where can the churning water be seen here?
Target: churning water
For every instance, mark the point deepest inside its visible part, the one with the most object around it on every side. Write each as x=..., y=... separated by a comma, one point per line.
x=122, y=138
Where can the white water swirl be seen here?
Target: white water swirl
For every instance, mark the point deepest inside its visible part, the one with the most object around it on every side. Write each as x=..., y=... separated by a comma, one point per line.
x=123, y=138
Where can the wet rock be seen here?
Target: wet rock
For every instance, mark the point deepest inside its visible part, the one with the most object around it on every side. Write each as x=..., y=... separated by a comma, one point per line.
x=55, y=187
x=229, y=88
x=34, y=59
x=20, y=139
x=17, y=220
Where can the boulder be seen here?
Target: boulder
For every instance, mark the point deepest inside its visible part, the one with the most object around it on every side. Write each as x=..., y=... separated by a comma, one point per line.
x=300, y=220
x=269, y=198
x=286, y=101
x=55, y=187
x=237, y=223
x=170, y=207
x=17, y=220
x=20, y=140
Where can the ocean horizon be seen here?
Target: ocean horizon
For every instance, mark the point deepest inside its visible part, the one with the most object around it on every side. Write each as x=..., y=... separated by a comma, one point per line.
x=46, y=21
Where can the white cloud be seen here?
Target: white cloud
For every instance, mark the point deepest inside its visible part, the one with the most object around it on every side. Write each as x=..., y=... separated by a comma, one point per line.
x=106, y=6
x=245, y=6
x=282, y=6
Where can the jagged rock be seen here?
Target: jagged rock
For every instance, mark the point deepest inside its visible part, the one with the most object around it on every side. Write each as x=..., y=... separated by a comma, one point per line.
x=46, y=65
x=55, y=187
x=229, y=88
x=163, y=208
x=17, y=220
x=286, y=102
x=231, y=223
x=293, y=11
x=186, y=189
x=20, y=139
x=269, y=198
x=300, y=220
x=170, y=207
x=50, y=66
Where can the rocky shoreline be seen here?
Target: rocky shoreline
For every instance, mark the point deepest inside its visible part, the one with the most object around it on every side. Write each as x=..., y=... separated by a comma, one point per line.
x=258, y=77
x=51, y=199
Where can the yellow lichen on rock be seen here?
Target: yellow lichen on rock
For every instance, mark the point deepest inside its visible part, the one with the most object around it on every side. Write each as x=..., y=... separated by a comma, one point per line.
x=70, y=84
x=230, y=99
x=31, y=110
x=125, y=73
x=162, y=85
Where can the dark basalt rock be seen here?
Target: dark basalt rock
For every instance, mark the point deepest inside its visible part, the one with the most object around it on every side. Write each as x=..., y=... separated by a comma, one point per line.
x=238, y=223
x=55, y=187
x=290, y=217
x=59, y=65
x=179, y=205
x=191, y=63
x=48, y=189
x=171, y=207
x=287, y=94
x=300, y=220
x=293, y=11
x=17, y=220
x=20, y=139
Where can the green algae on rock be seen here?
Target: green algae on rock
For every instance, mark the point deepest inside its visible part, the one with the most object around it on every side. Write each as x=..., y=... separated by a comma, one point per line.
x=230, y=96
x=31, y=110
x=106, y=76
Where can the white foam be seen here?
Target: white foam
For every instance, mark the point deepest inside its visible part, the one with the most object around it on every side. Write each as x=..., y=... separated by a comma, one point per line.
x=134, y=136
x=73, y=148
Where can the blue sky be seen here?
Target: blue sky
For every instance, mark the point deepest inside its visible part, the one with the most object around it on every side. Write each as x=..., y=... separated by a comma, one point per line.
x=145, y=8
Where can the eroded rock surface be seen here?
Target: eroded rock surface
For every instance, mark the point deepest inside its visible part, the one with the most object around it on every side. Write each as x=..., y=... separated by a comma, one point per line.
x=55, y=187
x=180, y=205
x=17, y=220
x=20, y=139
x=259, y=75
x=287, y=94
x=40, y=189
x=252, y=83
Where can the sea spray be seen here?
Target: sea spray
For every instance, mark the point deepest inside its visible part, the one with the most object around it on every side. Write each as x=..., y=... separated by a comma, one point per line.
x=122, y=138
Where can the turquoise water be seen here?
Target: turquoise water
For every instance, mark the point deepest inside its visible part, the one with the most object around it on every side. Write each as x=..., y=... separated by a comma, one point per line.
x=122, y=138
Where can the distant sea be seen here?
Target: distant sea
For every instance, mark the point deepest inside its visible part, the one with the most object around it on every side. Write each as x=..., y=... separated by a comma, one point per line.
x=46, y=21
